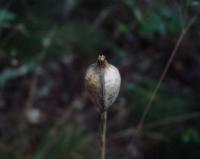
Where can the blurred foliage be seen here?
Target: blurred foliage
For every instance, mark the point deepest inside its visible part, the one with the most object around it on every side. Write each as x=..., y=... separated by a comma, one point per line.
x=79, y=38
x=62, y=37
x=159, y=18
x=68, y=143
x=162, y=107
x=11, y=73
x=190, y=135
x=6, y=17
x=162, y=23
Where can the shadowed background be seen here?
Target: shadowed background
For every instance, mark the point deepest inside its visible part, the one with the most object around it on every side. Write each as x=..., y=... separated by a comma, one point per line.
x=45, y=48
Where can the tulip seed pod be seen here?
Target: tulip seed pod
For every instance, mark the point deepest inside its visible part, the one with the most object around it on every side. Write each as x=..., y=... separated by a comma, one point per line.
x=102, y=82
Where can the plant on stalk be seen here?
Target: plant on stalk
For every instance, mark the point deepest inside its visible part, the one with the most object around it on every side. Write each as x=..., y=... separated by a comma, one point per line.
x=102, y=82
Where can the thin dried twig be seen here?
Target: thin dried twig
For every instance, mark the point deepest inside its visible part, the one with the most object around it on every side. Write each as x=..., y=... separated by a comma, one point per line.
x=172, y=120
x=152, y=97
x=164, y=122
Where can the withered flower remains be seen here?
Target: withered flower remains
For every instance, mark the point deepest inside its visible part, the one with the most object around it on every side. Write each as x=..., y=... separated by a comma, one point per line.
x=102, y=81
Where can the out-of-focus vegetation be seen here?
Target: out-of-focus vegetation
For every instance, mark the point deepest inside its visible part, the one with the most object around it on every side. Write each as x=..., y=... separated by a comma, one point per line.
x=45, y=47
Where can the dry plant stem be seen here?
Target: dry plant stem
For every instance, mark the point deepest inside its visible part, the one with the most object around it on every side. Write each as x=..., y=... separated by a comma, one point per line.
x=103, y=134
x=163, y=74
x=172, y=120
x=165, y=122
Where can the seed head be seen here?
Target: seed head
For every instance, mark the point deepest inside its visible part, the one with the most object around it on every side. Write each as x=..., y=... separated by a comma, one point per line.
x=102, y=82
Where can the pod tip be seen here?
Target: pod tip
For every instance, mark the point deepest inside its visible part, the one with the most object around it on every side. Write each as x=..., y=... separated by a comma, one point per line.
x=101, y=58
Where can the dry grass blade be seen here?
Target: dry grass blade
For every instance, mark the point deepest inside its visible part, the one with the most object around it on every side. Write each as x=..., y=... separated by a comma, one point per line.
x=152, y=97
x=165, y=122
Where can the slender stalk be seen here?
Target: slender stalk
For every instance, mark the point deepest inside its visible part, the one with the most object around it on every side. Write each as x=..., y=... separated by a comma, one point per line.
x=103, y=134
x=174, y=51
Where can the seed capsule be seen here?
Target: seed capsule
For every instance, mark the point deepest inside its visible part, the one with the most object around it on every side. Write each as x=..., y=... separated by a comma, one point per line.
x=102, y=81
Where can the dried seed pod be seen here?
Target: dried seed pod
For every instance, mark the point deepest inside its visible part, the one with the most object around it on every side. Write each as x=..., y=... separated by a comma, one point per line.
x=102, y=81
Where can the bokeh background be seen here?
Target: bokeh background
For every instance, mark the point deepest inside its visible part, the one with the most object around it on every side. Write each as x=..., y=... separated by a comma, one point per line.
x=45, y=48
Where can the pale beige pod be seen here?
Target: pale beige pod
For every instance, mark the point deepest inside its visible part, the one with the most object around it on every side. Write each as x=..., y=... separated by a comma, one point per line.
x=102, y=82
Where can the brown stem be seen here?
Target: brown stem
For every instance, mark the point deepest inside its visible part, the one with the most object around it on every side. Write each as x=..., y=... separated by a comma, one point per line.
x=103, y=134
x=149, y=104
x=165, y=122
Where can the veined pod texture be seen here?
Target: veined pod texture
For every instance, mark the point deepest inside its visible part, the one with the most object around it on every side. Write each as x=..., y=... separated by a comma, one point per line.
x=102, y=82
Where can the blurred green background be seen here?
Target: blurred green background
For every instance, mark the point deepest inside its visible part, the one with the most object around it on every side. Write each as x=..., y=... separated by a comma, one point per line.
x=45, y=48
